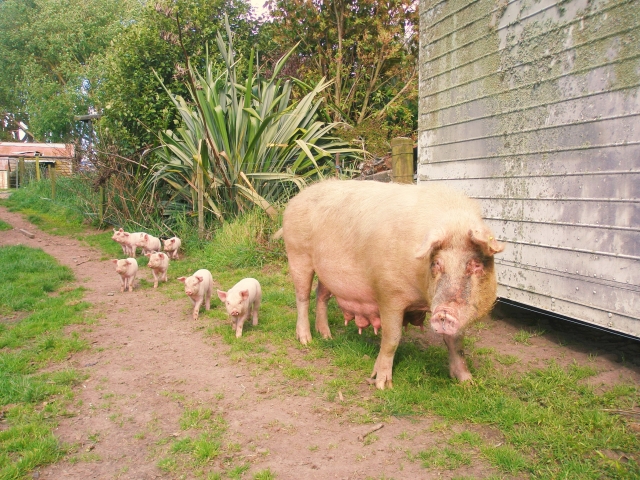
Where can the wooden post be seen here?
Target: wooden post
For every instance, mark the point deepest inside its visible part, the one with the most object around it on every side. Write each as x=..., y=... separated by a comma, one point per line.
x=52, y=176
x=402, y=160
x=22, y=171
x=38, y=169
x=101, y=206
x=200, y=184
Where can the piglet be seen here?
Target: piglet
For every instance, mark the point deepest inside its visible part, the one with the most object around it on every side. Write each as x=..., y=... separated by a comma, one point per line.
x=118, y=236
x=171, y=246
x=158, y=263
x=131, y=242
x=243, y=299
x=127, y=268
x=199, y=287
x=149, y=243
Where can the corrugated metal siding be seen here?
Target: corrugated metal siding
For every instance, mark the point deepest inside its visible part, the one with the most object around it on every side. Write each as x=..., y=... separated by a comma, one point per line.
x=533, y=107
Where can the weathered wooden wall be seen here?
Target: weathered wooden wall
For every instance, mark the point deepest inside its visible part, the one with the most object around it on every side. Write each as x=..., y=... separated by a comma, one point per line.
x=533, y=107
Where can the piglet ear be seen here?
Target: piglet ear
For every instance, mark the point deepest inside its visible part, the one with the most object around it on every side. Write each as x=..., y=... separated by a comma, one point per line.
x=146, y=236
x=173, y=240
x=147, y=254
x=114, y=261
x=127, y=262
x=114, y=230
x=483, y=238
x=125, y=234
x=121, y=229
x=432, y=241
x=161, y=255
x=244, y=293
x=222, y=295
x=199, y=278
x=182, y=279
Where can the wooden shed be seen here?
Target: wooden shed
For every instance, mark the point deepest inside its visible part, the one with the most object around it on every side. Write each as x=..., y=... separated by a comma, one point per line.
x=61, y=155
x=534, y=109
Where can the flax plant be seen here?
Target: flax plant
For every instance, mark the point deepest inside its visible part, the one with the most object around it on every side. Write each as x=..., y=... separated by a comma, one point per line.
x=242, y=141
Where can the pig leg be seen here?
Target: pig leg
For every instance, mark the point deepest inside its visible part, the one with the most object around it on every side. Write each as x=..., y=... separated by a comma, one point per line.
x=457, y=365
x=207, y=297
x=123, y=284
x=322, y=318
x=302, y=275
x=391, y=334
x=164, y=276
x=155, y=279
x=196, y=308
x=239, y=325
x=254, y=311
x=131, y=282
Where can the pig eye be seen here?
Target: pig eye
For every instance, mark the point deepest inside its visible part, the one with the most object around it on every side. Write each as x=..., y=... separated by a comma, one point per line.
x=475, y=267
x=437, y=266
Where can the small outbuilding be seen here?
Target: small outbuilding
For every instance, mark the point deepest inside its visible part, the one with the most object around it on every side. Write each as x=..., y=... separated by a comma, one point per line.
x=59, y=155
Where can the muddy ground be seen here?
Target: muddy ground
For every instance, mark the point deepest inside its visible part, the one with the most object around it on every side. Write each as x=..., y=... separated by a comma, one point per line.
x=148, y=359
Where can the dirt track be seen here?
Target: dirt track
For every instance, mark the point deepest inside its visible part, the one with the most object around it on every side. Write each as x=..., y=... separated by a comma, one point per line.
x=148, y=361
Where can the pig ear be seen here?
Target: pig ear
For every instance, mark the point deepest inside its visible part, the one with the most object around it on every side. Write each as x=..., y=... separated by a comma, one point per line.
x=199, y=278
x=486, y=241
x=127, y=262
x=244, y=293
x=146, y=236
x=182, y=279
x=173, y=240
x=114, y=261
x=161, y=255
x=147, y=254
x=222, y=295
x=125, y=234
x=121, y=229
x=114, y=230
x=432, y=241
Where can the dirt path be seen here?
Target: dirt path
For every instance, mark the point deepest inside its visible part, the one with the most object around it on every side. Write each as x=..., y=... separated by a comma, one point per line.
x=148, y=361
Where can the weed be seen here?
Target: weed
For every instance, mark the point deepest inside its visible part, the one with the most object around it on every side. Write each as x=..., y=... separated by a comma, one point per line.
x=264, y=475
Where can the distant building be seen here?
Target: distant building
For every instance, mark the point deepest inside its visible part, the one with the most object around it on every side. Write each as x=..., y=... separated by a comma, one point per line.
x=61, y=155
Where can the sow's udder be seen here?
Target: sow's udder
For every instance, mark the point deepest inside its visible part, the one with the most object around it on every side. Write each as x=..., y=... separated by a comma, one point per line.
x=363, y=313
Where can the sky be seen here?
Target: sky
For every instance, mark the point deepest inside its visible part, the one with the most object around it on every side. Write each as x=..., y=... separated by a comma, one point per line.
x=258, y=6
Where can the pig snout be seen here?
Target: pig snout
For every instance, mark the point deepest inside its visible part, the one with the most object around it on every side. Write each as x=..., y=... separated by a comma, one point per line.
x=444, y=320
x=234, y=313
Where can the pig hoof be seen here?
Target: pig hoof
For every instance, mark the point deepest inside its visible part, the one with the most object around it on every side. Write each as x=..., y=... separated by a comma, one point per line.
x=464, y=377
x=383, y=383
x=303, y=337
x=155, y=285
x=326, y=334
x=238, y=334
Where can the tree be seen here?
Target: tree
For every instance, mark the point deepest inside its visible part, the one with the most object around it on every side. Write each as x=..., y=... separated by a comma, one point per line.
x=367, y=47
x=147, y=54
x=46, y=47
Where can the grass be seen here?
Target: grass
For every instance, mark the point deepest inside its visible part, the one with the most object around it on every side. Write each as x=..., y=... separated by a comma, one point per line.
x=34, y=308
x=553, y=424
x=4, y=226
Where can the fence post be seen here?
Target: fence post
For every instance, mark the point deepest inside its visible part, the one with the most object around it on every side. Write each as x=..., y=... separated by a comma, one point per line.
x=402, y=160
x=52, y=176
x=21, y=171
x=200, y=181
x=101, y=206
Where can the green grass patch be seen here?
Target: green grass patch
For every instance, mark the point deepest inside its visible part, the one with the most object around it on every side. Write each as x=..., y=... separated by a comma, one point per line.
x=5, y=226
x=34, y=309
